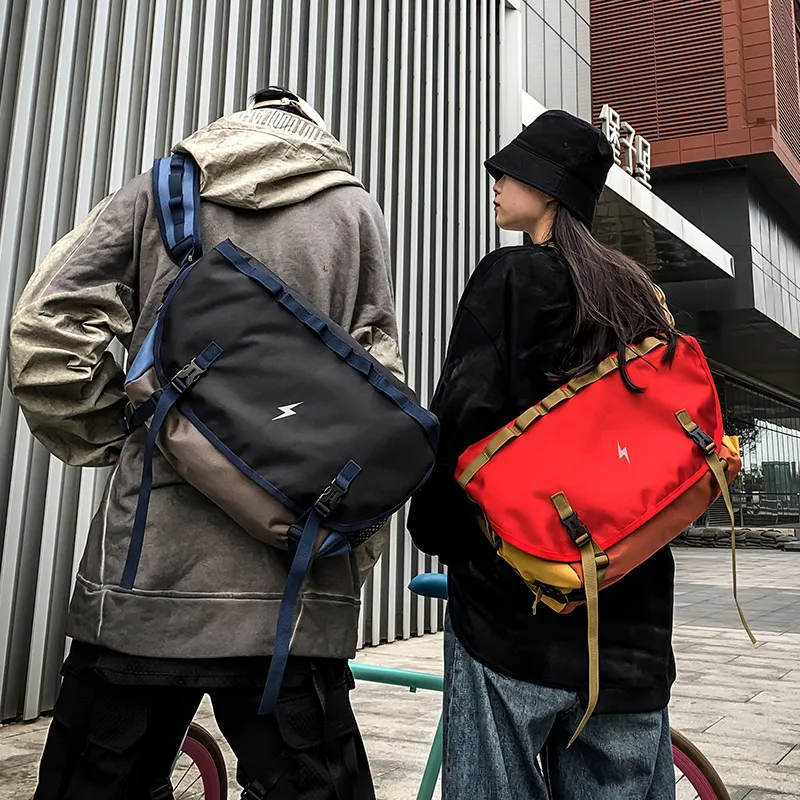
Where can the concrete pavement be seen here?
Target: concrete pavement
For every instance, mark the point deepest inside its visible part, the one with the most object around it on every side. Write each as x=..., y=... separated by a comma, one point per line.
x=738, y=702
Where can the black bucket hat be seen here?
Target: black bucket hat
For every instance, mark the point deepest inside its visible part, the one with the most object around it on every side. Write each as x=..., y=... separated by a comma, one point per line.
x=562, y=156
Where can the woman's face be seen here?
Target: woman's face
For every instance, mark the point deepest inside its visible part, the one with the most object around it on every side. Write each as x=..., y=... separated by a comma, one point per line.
x=519, y=207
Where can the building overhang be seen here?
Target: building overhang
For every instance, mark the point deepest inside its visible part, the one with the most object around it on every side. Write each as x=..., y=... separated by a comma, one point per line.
x=635, y=221
x=776, y=172
x=752, y=347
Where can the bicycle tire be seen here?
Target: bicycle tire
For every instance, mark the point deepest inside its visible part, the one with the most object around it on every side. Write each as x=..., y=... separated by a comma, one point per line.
x=202, y=748
x=697, y=769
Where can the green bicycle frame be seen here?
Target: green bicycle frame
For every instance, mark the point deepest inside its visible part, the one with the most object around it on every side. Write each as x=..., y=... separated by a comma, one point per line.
x=412, y=681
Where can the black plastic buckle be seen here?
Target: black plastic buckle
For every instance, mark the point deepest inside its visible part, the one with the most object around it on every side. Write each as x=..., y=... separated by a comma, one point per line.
x=550, y=591
x=577, y=531
x=163, y=792
x=704, y=441
x=254, y=791
x=187, y=376
x=330, y=499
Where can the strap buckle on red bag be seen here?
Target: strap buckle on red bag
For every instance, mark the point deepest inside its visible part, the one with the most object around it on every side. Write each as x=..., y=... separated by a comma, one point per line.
x=696, y=433
x=577, y=531
x=703, y=440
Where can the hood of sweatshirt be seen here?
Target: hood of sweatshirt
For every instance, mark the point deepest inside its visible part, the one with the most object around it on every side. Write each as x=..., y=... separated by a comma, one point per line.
x=266, y=158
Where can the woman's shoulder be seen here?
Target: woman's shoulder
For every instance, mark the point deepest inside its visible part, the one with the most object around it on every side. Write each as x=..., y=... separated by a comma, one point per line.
x=520, y=266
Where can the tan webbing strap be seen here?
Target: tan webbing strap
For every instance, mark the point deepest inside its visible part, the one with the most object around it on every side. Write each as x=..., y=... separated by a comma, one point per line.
x=717, y=467
x=590, y=556
x=700, y=437
x=591, y=587
x=662, y=300
x=601, y=561
x=558, y=396
x=503, y=436
x=605, y=367
x=645, y=347
x=565, y=510
x=525, y=420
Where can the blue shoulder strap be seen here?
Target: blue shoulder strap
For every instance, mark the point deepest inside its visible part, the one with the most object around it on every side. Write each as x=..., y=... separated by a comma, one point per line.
x=176, y=191
x=308, y=525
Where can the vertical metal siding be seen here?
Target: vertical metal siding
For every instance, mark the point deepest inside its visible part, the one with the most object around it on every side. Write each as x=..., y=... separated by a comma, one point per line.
x=91, y=92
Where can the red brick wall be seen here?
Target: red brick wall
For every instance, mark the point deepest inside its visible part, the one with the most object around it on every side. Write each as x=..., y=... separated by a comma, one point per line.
x=786, y=72
x=660, y=64
x=710, y=79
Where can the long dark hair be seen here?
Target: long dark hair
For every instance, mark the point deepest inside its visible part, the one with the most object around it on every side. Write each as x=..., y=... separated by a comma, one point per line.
x=616, y=302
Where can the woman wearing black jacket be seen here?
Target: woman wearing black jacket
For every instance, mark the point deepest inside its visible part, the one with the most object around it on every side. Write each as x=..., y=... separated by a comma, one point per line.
x=516, y=683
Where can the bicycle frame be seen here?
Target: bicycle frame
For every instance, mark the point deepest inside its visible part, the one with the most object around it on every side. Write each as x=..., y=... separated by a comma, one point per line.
x=412, y=681
x=178, y=756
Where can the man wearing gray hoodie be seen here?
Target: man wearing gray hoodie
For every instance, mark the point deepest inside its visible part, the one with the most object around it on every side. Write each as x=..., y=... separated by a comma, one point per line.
x=202, y=616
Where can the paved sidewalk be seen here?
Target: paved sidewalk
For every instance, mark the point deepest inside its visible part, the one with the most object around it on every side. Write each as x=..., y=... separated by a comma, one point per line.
x=740, y=704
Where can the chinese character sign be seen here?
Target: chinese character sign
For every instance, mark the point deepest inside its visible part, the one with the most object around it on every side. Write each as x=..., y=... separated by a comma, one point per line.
x=631, y=151
x=642, y=171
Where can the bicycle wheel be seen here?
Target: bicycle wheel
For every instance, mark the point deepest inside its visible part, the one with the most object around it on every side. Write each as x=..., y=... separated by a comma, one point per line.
x=200, y=772
x=697, y=769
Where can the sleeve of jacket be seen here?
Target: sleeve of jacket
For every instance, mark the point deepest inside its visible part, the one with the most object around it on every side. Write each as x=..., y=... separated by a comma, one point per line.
x=78, y=300
x=375, y=328
x=468, y=398
x=375, y=323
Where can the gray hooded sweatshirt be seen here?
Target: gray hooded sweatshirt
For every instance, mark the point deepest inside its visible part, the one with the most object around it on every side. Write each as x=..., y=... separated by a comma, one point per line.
x=282, y=189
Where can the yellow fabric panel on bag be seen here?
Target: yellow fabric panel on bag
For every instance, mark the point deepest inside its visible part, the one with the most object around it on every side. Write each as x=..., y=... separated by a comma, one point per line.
x=532, y=569
x=732, y=443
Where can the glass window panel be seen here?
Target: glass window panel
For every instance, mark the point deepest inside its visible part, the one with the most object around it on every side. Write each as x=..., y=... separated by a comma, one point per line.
x=568, y=24
x=535, y=60
x=552, y=14
x=768, y=488
x=584, y=91
x=582, y=39
x=537, y=6
x=552, y=67
x=569, y=79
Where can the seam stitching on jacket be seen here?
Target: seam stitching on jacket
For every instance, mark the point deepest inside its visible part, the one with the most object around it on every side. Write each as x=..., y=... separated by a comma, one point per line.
x=176, y=595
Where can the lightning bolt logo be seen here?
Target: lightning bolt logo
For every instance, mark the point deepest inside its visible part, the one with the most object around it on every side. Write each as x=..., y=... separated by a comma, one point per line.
x=287, y=411
x=623, y=452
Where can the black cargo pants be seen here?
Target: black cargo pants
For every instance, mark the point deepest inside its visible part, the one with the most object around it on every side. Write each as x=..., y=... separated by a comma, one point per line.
x=118, y=742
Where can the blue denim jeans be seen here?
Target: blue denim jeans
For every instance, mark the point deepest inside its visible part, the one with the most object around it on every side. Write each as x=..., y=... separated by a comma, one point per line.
x=495, y=727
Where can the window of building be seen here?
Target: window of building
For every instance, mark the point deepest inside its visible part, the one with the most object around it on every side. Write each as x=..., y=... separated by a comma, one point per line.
x=767, y=491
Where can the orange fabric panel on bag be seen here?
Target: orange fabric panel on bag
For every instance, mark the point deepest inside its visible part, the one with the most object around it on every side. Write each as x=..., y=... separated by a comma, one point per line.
x=667, y=524
x=639, y=546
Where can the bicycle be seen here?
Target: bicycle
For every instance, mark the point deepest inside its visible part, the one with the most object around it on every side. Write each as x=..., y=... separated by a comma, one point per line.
x=201, y=753
x=200, y=761
x=690, y=764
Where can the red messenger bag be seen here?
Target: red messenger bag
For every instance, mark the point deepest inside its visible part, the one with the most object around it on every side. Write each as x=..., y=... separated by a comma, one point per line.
x=596, y=478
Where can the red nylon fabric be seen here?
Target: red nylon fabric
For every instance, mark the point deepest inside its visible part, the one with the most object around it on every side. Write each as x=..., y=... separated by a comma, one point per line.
x=619, y=457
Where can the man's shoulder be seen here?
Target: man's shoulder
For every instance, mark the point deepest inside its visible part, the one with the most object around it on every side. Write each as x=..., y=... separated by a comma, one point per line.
x=353, y=200
x=138, y=186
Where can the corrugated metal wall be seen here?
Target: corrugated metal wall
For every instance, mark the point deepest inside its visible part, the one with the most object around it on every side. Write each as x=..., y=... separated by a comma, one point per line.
x=92, y=91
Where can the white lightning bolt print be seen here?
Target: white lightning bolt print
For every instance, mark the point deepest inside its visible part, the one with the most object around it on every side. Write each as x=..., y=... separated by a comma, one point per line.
x=623, y=452
x=287, y=411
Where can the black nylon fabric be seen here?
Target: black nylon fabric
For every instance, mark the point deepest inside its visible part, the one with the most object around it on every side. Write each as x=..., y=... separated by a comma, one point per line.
x=270, y=362
x=114, y=739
